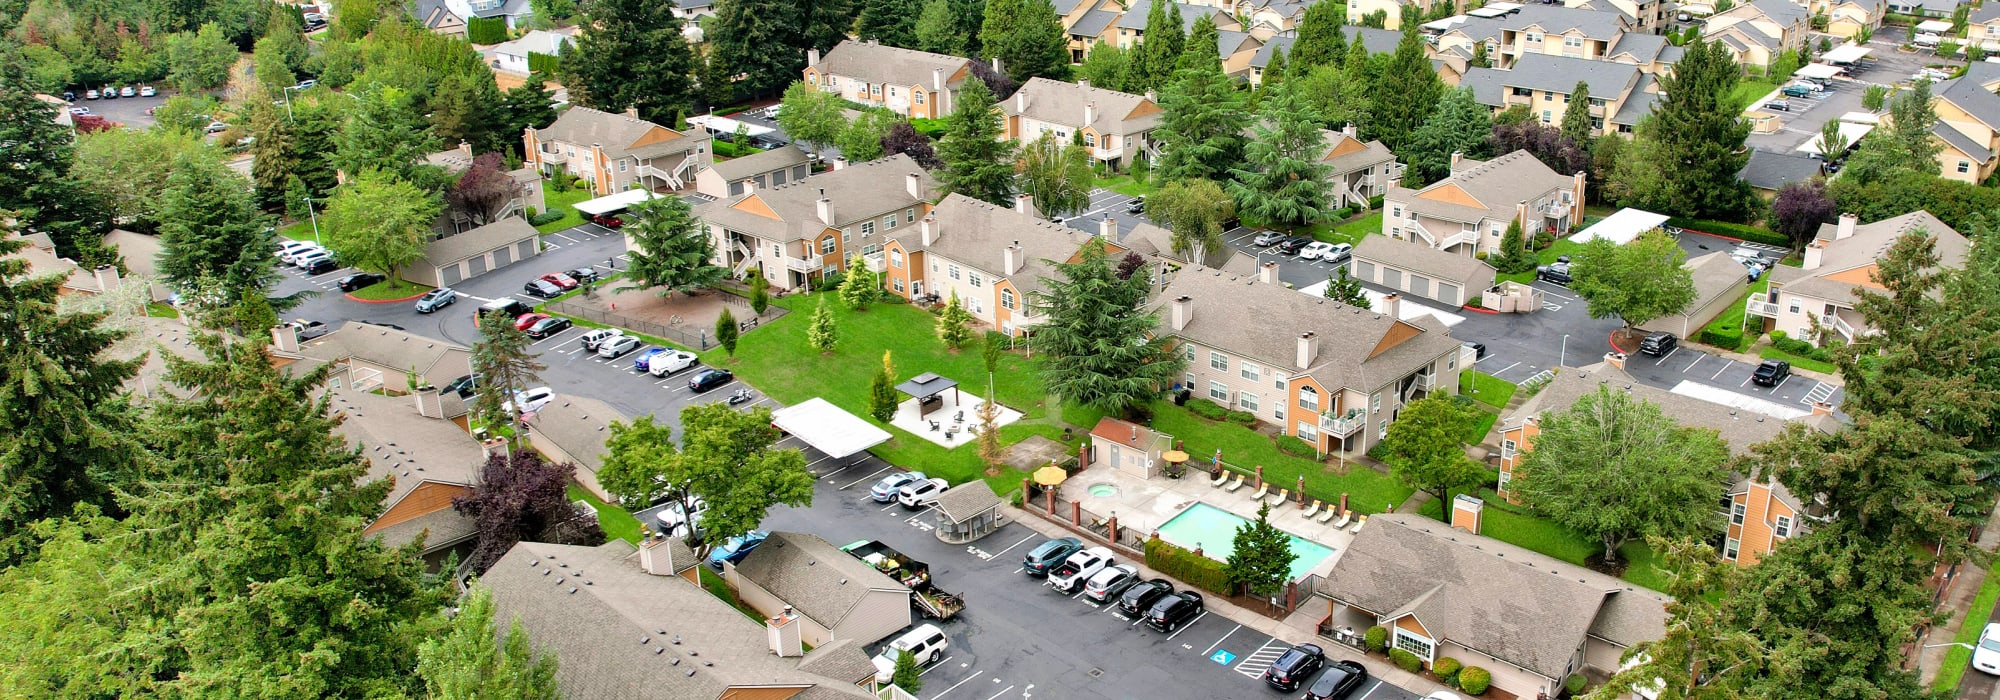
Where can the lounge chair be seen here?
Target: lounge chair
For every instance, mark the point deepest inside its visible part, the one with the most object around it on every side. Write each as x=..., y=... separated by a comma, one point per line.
x=1220, y=476
x=1328, y=515
x=1283, y=494
x=1346, y=516
x=1234, y=485
x=1363, y=520
x=1261, y=491
x=1314, y=510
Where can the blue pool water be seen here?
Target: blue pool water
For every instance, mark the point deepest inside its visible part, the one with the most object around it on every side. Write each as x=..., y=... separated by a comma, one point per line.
x=1214, y=529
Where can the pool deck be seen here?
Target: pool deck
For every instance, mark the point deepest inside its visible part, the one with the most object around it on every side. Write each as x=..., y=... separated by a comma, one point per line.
x=1144, y=504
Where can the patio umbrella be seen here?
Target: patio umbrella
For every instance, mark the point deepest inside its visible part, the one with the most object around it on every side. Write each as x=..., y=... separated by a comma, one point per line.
x=1050, y=475
x=1175, y=456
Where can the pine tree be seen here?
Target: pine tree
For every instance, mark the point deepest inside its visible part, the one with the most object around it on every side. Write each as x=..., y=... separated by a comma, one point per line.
x=504, y=365
x=1284, y=182
x=1274, y=72
x=908, y=674
x=1101, y=346
x=1576, y=117
x=860, y=286
x=1686, y=154
x=1058, y=176
x=882, y=392
x=209, y=227
x=1260, y=560
x=379, y=223
x=766, y=40
x=468, y=107
x=990, y=449
x=1479, y=57
x=1459, y=125
x=1201, y=127
x=1320, y=41
x=384, y=132
x=524, y=107
x=1344, y=288
x=977, y=162
x=671, y=250
x=1036, y=46
x=1158, y=53
x=997, y=23
x=36, y=183
x=954, y=324
x=726, y=332
x=1406, y=91
x=1514, y=256
x=892, y=22
x=822, y=334
x=601, y=72
x=1193, y=52
x=760, y=292
x=940, y=29
x=468, y=661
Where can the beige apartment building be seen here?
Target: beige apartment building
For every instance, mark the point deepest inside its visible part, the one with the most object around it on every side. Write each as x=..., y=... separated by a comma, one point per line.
x=1839, y=262
x=797, y=234
x=1468, y=212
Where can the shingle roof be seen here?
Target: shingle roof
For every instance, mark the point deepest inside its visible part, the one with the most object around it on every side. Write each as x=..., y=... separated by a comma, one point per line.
x=1519, y=606
x=1639, y=104
x=1555, y=19
x=965, y=500
x=617, y=133
x=1136, y=17
x=1559, y=74
x=1348, y=337
x=1478, y=29
x=580, y=425
x=505, y=232
x=1781, y=11
x=622, y=633
x=440, y=529
x=1371, y=153
x=1644, y=48
x=1868, y=243
x=1500, y=184
x=1960, y=141
x=409, y=449
x=1984, y=13
x=1486, y=85
x=1375, y=40
x=858, y=191
x=1148, y=239
x=1967, y=93
x=1262, y=58
x=976, y=233
x=1469, y=273
x=878, y=63
x=1059, y=102
x=436, y=360
x=1770, y=170
x=1092, y=23
x=1739, y=428
x=1715, y=275
x=780, y=158
x=840, y=659
x=1230, y=42
x=813, y=576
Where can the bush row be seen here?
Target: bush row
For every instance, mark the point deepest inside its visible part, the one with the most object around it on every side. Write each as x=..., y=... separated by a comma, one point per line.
x=547, y=217
x=1724, y=228
x=1728, y=338
x=1799, y=347
x=1214, y=411
x=1194, y=569
x=1295, y=447
x=729, y=149
x=486, y=30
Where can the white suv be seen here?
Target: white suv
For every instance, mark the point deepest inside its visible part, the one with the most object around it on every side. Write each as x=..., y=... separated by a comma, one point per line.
x=927, y=643
x=1079, y=568
x=918, y=494
x=1315, y=249
x=597, y=337
x=669, y=361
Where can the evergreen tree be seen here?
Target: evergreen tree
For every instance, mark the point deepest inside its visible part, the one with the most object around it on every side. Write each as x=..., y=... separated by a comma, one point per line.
x=760, y=292
x=1344, y=288
x=1320, y=41
x=909, y=675
x=384, y=132
x=1906, y=145
x=1284, y=182
x=1101, y=346
x=1514, y=257
x=469, y=108
x=1202, y=123
x=504, y=365
x=1035, y=46
x=1425, y=447
x=671, y=250
x=1274, y=72
x=882, y=392
x=1058, y=176
x=1261, y=557
x=526, y=106
x=940, y=29
x=977, y=162
x=892, y=22
x=1193, y=52
x=36, y=184
x=1576, y=117
x=1479, y=57
x=378, y=223
x=859, y=287
x=602, y=73
x=954, y=324
x=766, y=40
x=999, y=21
x=1158, y=52
x=210, y=228
x=821, y=333
x=714, y=84
x=726, y=332
x=1193, y=212
x=1459, y=125
x=1406, y=91
x=468, y=661
x=1686, y=154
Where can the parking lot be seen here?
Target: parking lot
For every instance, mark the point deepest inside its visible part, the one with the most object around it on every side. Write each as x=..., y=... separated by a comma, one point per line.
x=1721, y=380
x=1884, y=66
x=130, y=111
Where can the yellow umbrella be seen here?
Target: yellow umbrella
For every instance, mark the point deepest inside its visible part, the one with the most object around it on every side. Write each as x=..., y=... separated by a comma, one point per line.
x=1050, y=475
x=1175, y=456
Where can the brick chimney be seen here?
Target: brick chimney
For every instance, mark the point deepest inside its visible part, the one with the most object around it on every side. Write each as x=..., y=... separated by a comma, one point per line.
x=928, y=229
x=825, y=207
x=430, y=404
x=1392, y=305
x=1465, y=513
x=1010, y=259
x=1183, y=311
x=914, y=184
x=783, y=633
x=1308, y=349
x=285, y=339
x=1024, y=204
x=1815, y=252
x=1846, y=227
x=1268, y=274
x=1107, y=228
x=107, y=277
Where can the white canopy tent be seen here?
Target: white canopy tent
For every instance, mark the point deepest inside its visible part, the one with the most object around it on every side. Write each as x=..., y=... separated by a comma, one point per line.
x=828, y=429
x=1817, y=70
x=615, y=202
x=1851, y=133
x=1621, y=227
x=724, y=126
x=1934, y=26
x=1845, y=53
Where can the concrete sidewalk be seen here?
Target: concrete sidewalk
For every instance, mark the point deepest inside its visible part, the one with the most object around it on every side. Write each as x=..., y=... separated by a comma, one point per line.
x=1962, y=589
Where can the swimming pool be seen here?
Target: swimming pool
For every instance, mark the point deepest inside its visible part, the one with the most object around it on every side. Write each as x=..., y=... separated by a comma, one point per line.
x=1214, y=530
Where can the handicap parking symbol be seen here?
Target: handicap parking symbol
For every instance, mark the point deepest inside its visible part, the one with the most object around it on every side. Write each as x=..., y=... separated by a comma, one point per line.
x=1222, y=656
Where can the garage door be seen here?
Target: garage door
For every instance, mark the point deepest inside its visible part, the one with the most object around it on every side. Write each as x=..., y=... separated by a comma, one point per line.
x=502, y=257
x=1392, y=278
x=527, y=248
x=1420, y=285
x=1448, y=293
x=478, y=267
x=448, y=276
x=1364, y=270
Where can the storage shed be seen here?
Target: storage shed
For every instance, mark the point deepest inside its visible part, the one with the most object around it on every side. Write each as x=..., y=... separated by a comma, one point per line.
x=453, y=259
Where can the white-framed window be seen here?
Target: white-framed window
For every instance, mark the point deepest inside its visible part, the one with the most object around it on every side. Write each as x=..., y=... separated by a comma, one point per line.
x=1382, y=430
x=1250, y=371
x=777, y=250
x=1374, y=403
x=1278, y=379
x=1795, y=304
x=826, y=246
x=1090, y=140
x=846, y=237
x=833, y=81
x=1451, y=361
x=871, y=250
x=1964, y=166
x=1218, y=361
x=1507, y=448
x=952, y=271
x=918, y=96
x=896, y=259
x=623, y=161
x=1573, y=42
x=1547, y=116
x=867, y=228
x=1247, y=402
x=1730, y=547
x=1308, y=399
x=1396, y=211
x=889, y=222
x=1190, y=354
x=1278, y=412
x=1411, y=642
x=898, y=284
x=1505, y=476
x=974, y=278
x=1219, y=391
x=1007, y=299
x=909, y=215
x=1308, y=432
x=1783, y=528
x=1736, y=513
x=875, y=89
x=1534, y=37
x=892, y=92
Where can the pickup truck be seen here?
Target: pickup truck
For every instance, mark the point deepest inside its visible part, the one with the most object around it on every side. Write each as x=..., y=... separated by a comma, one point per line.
x=932, y=601
x=1080, y=566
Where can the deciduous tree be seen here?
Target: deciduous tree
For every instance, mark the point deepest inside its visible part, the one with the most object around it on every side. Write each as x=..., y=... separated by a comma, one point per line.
x=380, y=223
x=1056, y=175
x=729, y=461
x=1106, y=66
x=1100, y=345
x=198, y=61
x=903, y=138
x=977, y=162
x=812, y=116
x=483, y=191
x=1425, y=447
x=1798, y=211
x=1637, y=282
x=671, y=251
x=1193, y=212
x=521, y=496
x=638, y=457
x=861, y=140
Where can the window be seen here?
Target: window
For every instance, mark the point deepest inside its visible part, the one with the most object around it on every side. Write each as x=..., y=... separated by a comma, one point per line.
x=1534, y=37
x=1522, y=92
x=1396, y=212
x=1250, y=371
x=909, y=215
x=1190, y=353
x=952, y=271
x=833, y=81
x=1783, y=527
x=622, y=161
x=1547, y=116
x=898, y=284
x=1573, y=42
x=1218, y=361
x=919, y=95
x=1504, y=478
x=1090, y=140
x=892, y=92
x=974, y=278
x=1413, y=644
x=1308, y=432
x=826, y=246
x=875, y=89
x=1308, y=399
x=1964, y=166
x=1795, y=304
x=777, y=251
x=1007, y=299
x=1219, y=391
x=1451, y=361
x=1278, y=412
x=1375, y=403
x=1730, y=547
x=1247, y=402
x=889, y=222
x=871, y=250
x=846, y=237
x=1278, y=379
x=896, y=259
x=1736, y=513
x=1507, y=448
x=867, y=228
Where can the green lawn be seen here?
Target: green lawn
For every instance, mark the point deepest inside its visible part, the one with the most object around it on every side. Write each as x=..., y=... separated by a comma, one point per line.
x=564, y=202
x=1486, y=388
x=618, y=524
x=1125, y=185
x=301, y=231
x=1770, y=353
x=1368, y=491
x=1731, y=318
x=392, y=288
x=1561, y=247
x=161, y=310
x=1973, y=621
x=720, y=589
x=1512, y=524
x=776, y=359
x=1749, y=90
x=1477, y=432
x=1352, y=230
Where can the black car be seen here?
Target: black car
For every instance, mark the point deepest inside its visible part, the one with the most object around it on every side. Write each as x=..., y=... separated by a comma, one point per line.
x=1478, y=350
x=1136, y=206
x=582, y=274
x=1771, y=373
x=1557, y=273
x=321, y=266
x=548, y=327
x=1142, y=595
x=1339, y=681
x=1659, y=344
x=1291, y=246
x=542, y=288
x=1295, y=666
x=1174, y=611
x=463, y=386
x=709, y=379
x=359, y=280
x=1049, y=554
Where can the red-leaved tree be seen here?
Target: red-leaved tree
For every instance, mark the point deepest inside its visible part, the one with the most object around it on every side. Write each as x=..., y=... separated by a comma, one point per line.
x=903, y=138
x=523, y=497
x=1799, y=209
x=483, y=192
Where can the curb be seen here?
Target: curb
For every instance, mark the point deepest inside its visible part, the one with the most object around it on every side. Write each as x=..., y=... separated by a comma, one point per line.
x=1479, y=310
x=350, y=297
x=1613, y=342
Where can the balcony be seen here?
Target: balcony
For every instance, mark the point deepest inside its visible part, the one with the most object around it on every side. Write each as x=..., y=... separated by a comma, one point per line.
x=1346, y=425
x=1424, y=382
x=1759, y=307
x=810, y=263
x=1554, y=210
x=1462, y=237
x=1841, y=326
x=551, y=156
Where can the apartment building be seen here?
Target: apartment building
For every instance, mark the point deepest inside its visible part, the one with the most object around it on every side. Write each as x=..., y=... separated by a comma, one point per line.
x=1840, y=262
x=1392, y=9
x=1469, y=212
x=1982, y=27
x=1620, y=93
x=798, y=233
x=1332, y=375
x=915, y=84
x=1646, y=16
x=1845, y=18
x=1115, y=126
x=1555, y=30
x=1089, y=23
x=1357, y=170
x=1130, y=29
x=417, y=445
x=1756, y=32
x=994, y=259
x=615, y=152
x=1968, y=128
x=1370, y=38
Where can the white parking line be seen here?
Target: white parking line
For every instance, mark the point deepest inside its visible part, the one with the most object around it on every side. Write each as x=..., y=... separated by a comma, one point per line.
x=1372, y=689
x=1670, y=353
x=1508, y=367
x=878, y=472
x=566, y=238
x=940, y=663
x=1010, y=547
x=1781, y=384
x=1187, y=626
x=1746, y=380
x=1725, y=368
x=1697, y=360
x=1219, y=640
x=1003, y=692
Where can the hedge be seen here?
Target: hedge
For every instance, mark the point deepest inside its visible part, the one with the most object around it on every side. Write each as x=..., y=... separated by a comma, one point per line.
x=1376, y=637
x=1724, y=228
x=1405, y=660
x=1731, y=339
x=1214, y=411
x=486, y=30
x=1474, y=680
x=1194, y=569
x=1447, y=668
x=1799, y=347
x=547, y=217
x=1297, y=448
x=728, y=149
x=547, y=64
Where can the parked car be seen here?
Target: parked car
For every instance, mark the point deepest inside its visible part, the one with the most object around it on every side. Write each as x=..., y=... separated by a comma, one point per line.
x=885, y=490
x=1047, y=555
x=305, y=256
x=1796, y=90
x=1175, y=611
x=359, y=280
x=927, y=643
x=1986, y=656
x=1110, y=582
x=90, y=94
x=674, y=519
x=436, y=299
x=1659, y=344
x=463, y=386
x=1341, y=253
x=607, y=221
x=146, y=91
x=1341, y=679
x=583, y=274
x=1268, y=237
x=1557, y=273
x=288, y=249
x=321, y=265
x=548, y=326
x=1778, y=106
x=110, y=93
x=1478, y=350
x=734, y=549
x=1771, y=373
x=305, y=85
x=1142, y=595
x=639, y=361
x=1294, y=666
x=618, y=346
x=669, y=362
x=709, y=379
x=1078, y=568
x=309, y=330
x=522, y=321
x=560, y=280
x=1136, y=206
x=1290, y=246
x=918, y=494
x=1313, y=250
x=529, y=400
x=542, y=288
x=507, y=307
x=127, y=91
x=594, y=338
x=212, y=128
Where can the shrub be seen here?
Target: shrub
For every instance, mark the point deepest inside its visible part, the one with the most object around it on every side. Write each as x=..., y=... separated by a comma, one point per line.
x=531, y=212
x=1376, y=637
x=547, y=217
x=1722, y=338
x=1447, y=668
x=486, y=30
x=1574, y=683
x=1724, y=228
x=829, y=283
x=1296, y=447
x=1405, y=660
x=1197, y=570
x=1474, y=680
x=547, y=64
x=1207, y=409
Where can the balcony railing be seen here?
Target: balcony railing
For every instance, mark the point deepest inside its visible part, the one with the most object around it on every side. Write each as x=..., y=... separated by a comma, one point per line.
x=1466, y=237
x=1759, y=307
x=810, y=263
x=1841, y=325
x=1425, y=382
x=1345, y=425
x=551, y=156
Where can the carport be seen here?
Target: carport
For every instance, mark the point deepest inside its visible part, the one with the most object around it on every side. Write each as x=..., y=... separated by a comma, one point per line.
x=1849, y=132
x=1933, y=26
x=1845, y=54
x=825, y=427
x=1817, y=71
x=614, y=202
x=1620, y=228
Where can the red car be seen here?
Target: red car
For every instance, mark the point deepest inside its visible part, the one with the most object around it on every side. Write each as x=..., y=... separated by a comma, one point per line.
x=560, y=280
x=526, y=320
x=607, y=221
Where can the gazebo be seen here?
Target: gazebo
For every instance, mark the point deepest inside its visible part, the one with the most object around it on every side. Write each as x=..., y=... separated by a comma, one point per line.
x=967, y=512
x=928, y=389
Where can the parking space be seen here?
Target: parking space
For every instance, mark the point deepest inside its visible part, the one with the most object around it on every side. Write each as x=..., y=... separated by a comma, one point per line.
x=1726, y=381
x=133, y=112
